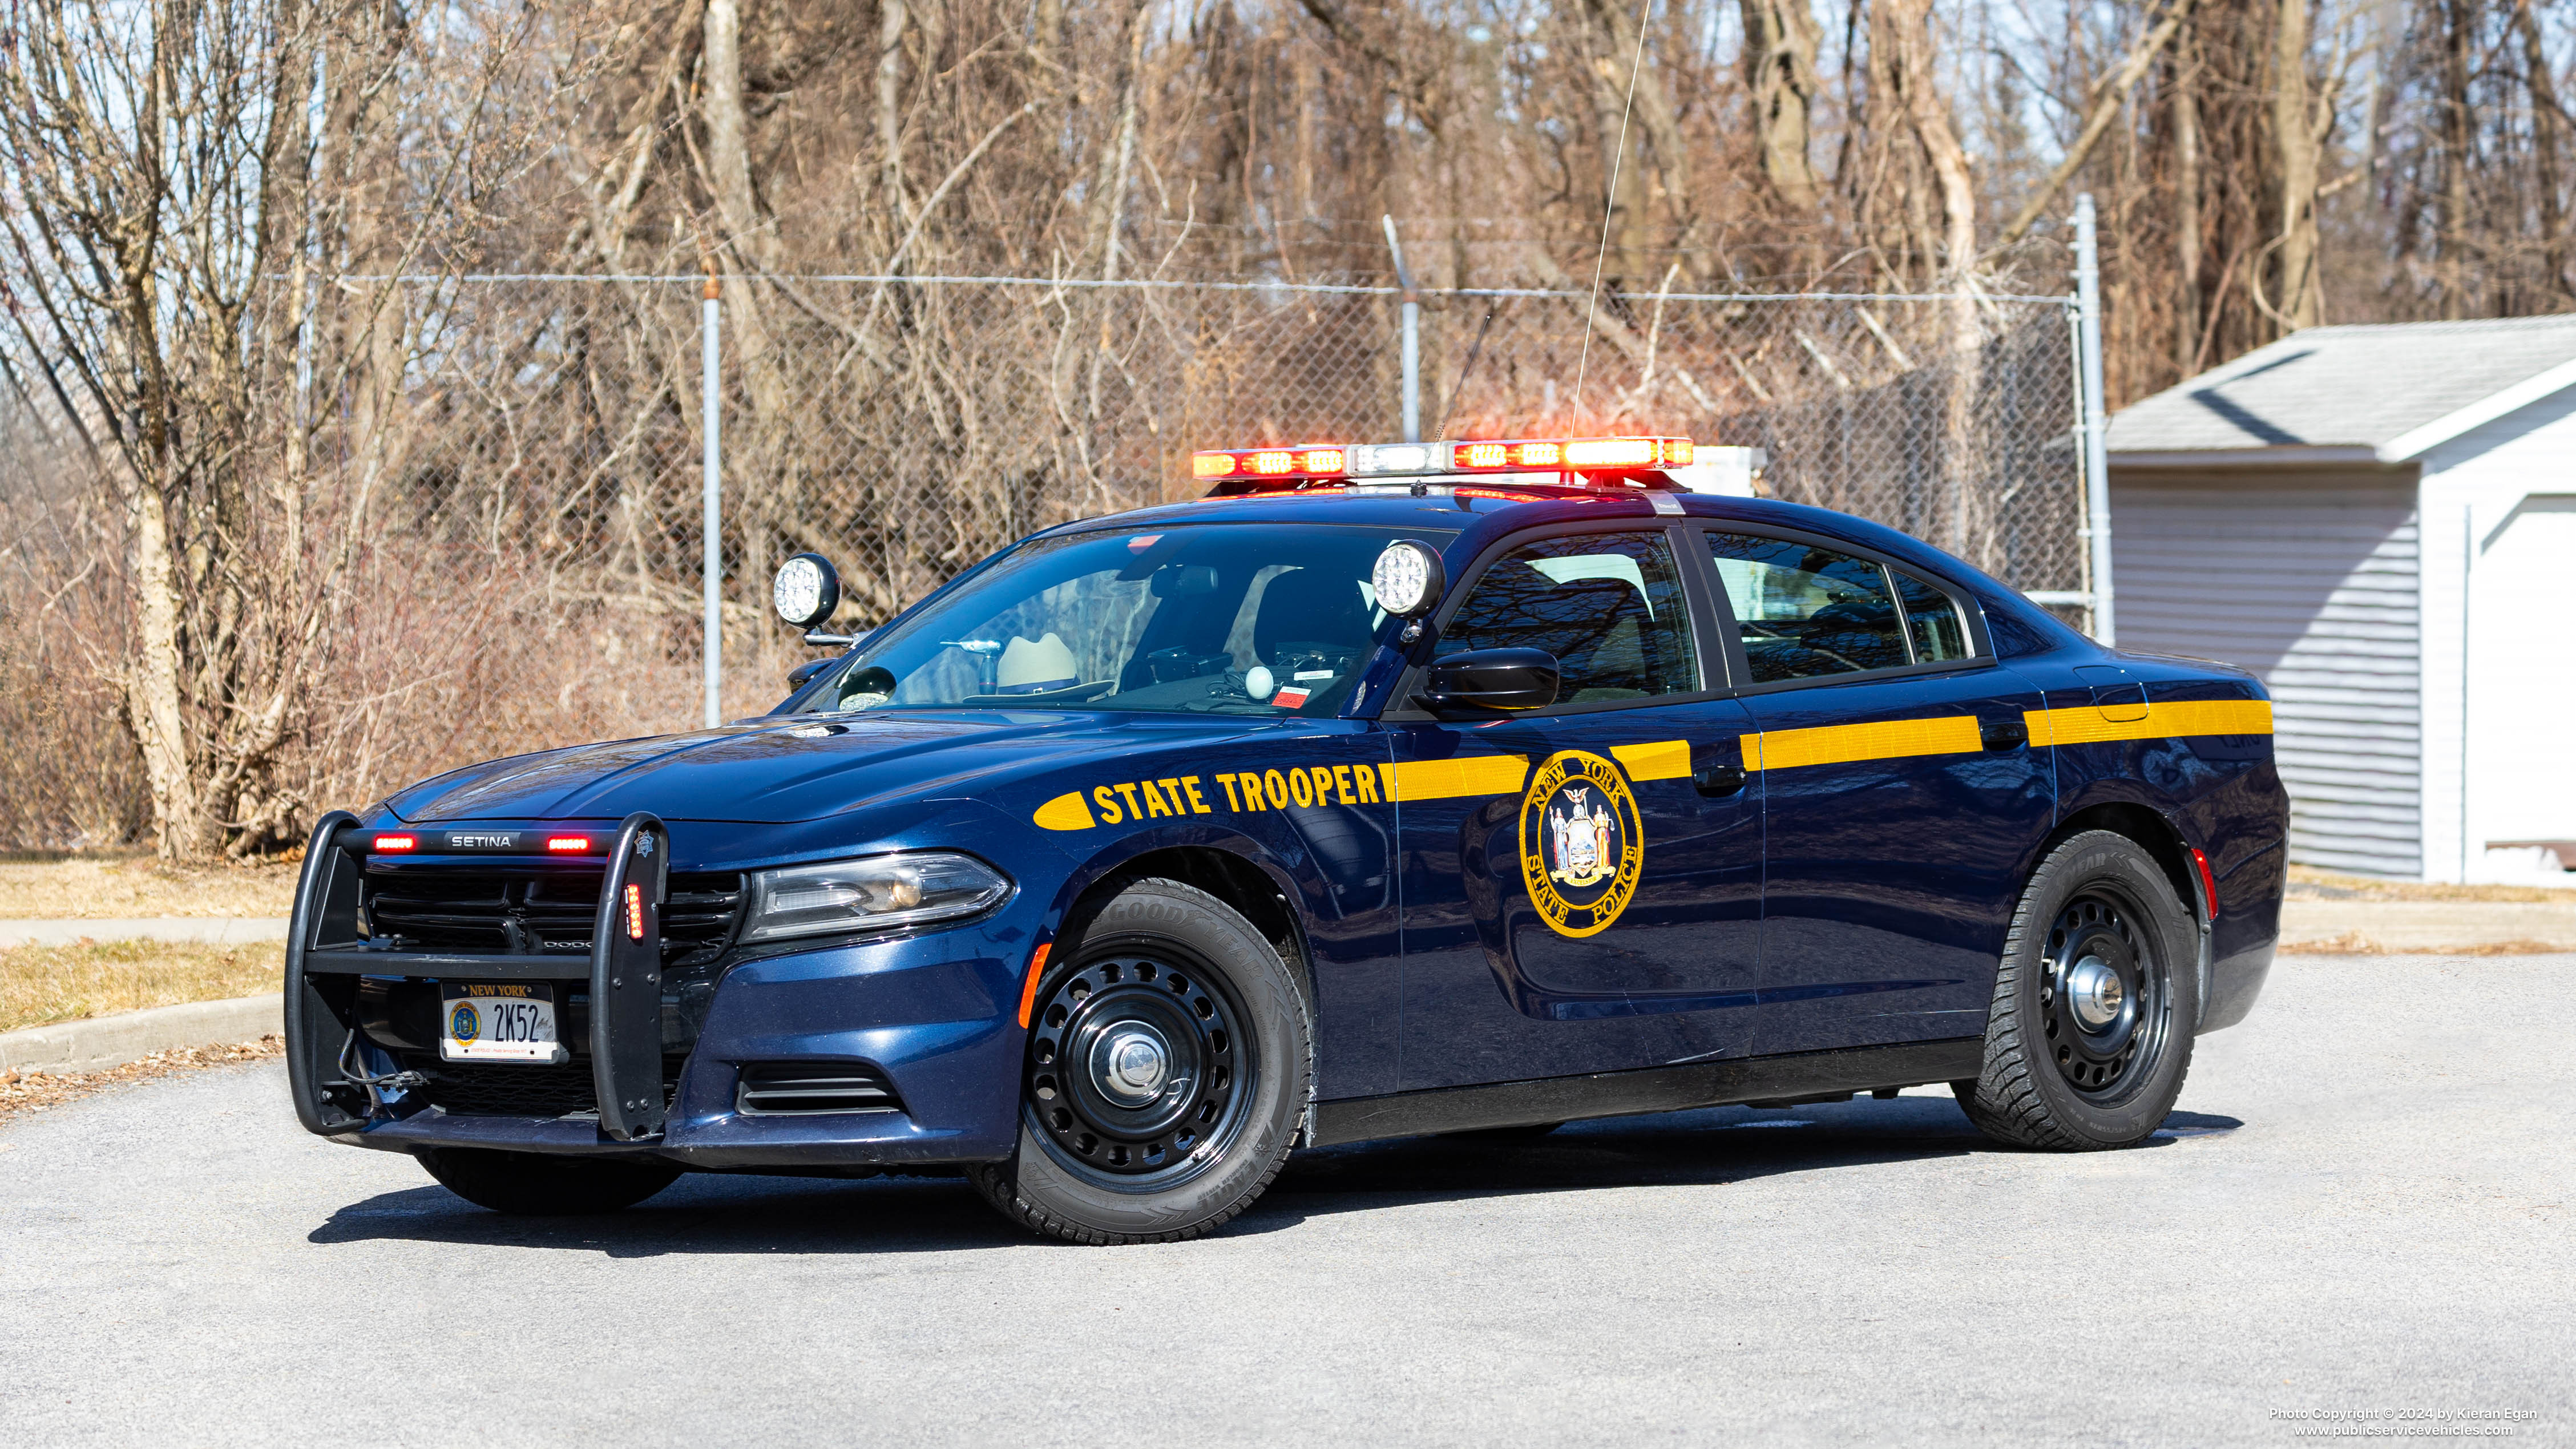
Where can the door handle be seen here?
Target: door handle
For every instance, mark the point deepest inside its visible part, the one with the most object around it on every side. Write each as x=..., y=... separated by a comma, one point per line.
x=2003, y=734
x=1717, y=780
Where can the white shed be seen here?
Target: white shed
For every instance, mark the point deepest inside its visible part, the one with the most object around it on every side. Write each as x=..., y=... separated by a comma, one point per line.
x=2381, y=522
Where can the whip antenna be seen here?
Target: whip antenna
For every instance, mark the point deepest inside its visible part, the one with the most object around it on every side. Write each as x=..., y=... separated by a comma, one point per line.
x=1618, y=158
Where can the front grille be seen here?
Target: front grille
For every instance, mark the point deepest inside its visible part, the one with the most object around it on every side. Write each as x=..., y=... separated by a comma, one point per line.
x=796, y=1089
x=488, y=1089
x=531, y=912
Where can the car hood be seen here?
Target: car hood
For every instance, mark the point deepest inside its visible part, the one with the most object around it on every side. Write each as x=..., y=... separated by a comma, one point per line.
x=780, y=770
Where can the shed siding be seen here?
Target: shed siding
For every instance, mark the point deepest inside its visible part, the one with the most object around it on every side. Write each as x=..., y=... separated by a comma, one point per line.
x=2314, y=586
x=2495, y=767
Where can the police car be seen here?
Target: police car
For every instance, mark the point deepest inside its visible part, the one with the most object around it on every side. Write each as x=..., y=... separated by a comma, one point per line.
x=1385, y=790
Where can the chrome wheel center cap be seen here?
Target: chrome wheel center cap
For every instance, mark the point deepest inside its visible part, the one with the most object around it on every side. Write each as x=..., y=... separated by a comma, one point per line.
x=2096, y=991
x=1132, y=1063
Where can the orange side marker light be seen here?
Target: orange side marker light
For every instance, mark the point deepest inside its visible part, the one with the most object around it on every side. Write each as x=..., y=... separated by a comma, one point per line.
x=1029, y=993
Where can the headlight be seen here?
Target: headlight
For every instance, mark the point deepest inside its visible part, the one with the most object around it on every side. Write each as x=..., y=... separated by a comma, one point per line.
x=866, y=895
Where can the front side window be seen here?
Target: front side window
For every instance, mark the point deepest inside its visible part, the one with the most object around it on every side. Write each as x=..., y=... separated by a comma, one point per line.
x=1608, y=605
x=1205, y=618
x=1807, y=612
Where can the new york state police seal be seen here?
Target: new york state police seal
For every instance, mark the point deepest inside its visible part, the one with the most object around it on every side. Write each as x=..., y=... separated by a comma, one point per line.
x=1582, y=847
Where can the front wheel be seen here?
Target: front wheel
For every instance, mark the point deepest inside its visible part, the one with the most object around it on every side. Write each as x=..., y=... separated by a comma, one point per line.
x=2095, y=1000
x=1168, y=1063
x=541, y=1184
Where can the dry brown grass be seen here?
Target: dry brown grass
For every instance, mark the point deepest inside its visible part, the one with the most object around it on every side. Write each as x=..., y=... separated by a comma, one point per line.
x=103, y=885
x=44, y=984
x=2311, y=884
x=36, y=1091
x=2354, y=943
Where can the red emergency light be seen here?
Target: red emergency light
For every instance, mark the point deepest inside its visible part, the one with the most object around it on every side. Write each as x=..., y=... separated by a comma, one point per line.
x=1581, y=455
x=1308, y=461
x=567, y=844
x=397, y=843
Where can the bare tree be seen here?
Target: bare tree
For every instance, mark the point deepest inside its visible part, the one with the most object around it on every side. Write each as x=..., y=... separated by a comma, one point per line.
x=173, y=193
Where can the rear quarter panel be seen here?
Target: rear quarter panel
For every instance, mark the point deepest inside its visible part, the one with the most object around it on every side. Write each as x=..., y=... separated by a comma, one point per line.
x=2160, y=748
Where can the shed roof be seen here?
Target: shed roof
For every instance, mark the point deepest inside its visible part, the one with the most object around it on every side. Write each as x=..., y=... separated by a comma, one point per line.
x=2382, y=391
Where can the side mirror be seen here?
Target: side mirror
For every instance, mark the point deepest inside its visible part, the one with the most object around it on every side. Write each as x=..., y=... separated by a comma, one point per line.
x=1493, y=679
x=806, y=590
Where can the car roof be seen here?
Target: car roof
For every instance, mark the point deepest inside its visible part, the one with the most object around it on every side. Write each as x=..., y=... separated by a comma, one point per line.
x=1479, y=512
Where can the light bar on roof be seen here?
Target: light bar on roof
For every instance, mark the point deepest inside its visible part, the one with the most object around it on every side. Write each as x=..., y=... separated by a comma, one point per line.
x=1310, y=462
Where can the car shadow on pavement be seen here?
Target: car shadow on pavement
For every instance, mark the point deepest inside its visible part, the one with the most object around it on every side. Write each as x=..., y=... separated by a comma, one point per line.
x=1708, y=1146
x=725, y=1213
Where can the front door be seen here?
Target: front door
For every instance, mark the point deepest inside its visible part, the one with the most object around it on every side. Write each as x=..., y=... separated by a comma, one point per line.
x=1581, y=885
x=1902, y=798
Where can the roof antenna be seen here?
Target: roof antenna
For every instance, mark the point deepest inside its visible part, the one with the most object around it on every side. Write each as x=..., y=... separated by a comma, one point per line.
x=1592, y=300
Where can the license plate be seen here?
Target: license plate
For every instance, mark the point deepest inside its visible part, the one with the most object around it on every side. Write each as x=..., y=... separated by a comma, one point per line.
x=497, y=1021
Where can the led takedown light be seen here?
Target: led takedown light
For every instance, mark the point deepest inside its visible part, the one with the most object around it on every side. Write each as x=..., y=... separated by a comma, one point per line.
x=1407, y=578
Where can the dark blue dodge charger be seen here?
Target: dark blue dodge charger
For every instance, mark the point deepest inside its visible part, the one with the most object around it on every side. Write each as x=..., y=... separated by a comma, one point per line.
x=1384, y=791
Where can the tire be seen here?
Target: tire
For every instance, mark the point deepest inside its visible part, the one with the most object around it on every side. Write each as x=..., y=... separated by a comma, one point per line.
x=539, y=1184
x=2090, y=1032
x=1168, y=1067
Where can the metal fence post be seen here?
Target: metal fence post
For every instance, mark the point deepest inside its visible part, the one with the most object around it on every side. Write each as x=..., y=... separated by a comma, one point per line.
x=1412, y=338
x=711, y=566
x=2097, y=421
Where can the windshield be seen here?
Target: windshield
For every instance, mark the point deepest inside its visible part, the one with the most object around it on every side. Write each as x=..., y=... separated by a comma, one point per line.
x=1259, y=619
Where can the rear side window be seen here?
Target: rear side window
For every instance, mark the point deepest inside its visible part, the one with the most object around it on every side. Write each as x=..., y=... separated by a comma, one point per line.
x=1807, y=612
x=1607, y=605
x=1932, y=621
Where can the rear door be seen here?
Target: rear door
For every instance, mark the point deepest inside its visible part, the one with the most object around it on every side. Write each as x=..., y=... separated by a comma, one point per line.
x=1572, y=900
x=1901, y=795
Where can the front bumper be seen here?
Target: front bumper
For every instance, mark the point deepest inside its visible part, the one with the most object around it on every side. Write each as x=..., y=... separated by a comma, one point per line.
x=934, y=1016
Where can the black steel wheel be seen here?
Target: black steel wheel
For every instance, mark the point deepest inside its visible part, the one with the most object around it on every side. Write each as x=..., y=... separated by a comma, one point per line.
x=2106, y=999
x=1168, y=1065
x=1135, y=1061
x=2095, y=1001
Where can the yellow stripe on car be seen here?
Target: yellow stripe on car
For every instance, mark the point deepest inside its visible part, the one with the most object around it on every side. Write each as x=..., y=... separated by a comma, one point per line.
x=2086, y=725
x=1892, y=739
x=1456, y=776
x=1662, y=760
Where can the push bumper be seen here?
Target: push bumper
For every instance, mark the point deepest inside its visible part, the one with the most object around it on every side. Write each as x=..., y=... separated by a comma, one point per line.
x=934, y=1017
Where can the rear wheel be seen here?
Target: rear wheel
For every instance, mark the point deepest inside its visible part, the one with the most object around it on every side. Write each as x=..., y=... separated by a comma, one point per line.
x=541, y=1184
x=2090, y=1031
x=1167, y=1066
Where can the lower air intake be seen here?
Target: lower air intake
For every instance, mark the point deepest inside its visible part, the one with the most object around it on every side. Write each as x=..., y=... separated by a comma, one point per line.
x=804, y=1089
x=492, y=1089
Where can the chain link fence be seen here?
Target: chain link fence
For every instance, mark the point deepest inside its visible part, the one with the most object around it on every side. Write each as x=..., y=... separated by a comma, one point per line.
x=529, y=492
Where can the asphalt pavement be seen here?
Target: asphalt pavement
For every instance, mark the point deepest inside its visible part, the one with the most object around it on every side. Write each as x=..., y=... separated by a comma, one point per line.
x=2362, y=1208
